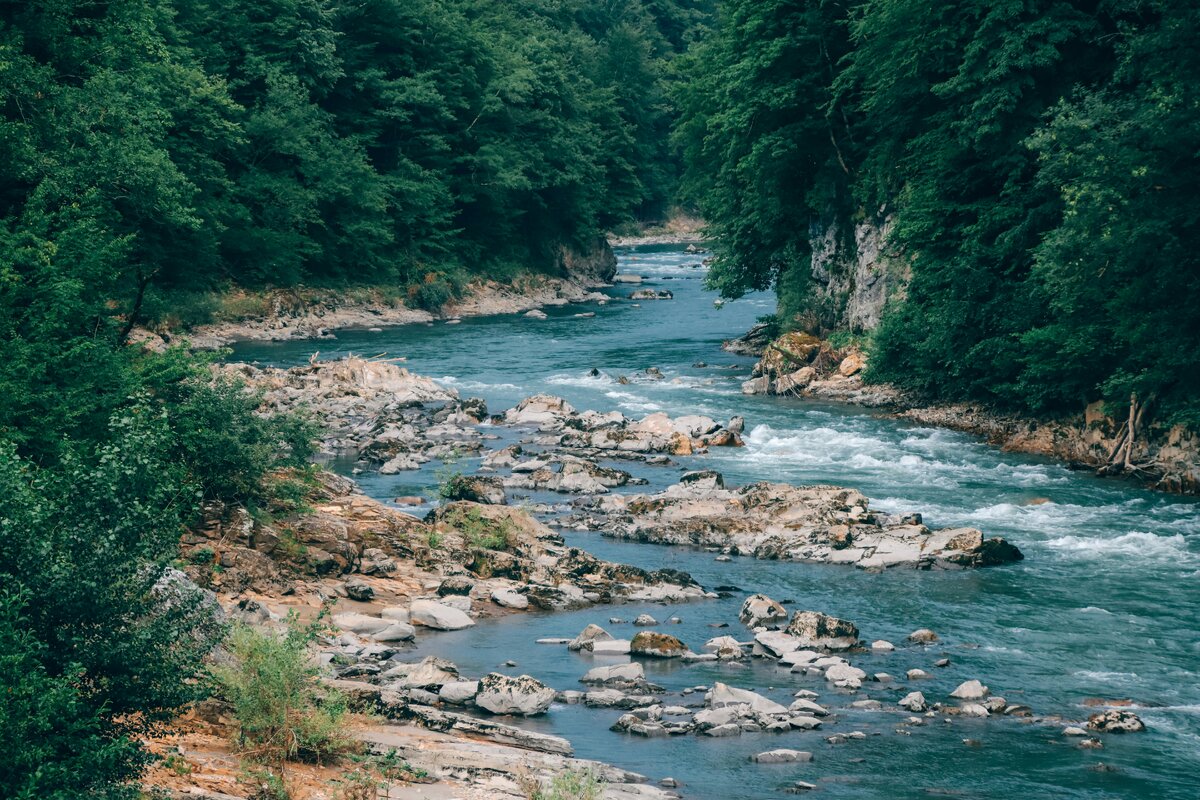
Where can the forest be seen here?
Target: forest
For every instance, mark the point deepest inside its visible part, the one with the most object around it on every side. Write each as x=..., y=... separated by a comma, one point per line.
x=1036, y=160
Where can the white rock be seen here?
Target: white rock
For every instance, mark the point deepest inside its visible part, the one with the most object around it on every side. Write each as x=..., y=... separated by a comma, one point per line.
x=398, y=613
x=970, y=690
x=617, y=673
x=510, y=599
x=973, y=710
x=522, y=695
x=611, y=647
x=882, y=646
x=781, y=756
x=844, y=672
x=777, y=643
x=360, y=623
x=914, y=702
x=722, y=695
x=588, y=637
x=806, y=706
x=396, y=632
x=458, y=693
x=439, y=616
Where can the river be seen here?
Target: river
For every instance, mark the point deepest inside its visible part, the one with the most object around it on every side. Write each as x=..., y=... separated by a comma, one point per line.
x=1106, y=603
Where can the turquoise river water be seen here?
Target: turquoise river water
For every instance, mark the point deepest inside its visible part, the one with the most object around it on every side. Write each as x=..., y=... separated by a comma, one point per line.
x=1106, y=603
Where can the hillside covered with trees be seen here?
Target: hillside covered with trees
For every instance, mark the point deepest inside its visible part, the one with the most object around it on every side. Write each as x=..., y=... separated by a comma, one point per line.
x=154, y=149
x=1036, y=162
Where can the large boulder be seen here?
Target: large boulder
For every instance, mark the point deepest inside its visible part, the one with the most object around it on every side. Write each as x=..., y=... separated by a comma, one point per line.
x=777, y=643
x=822, y=632
x=438, y=616
x=615, y=675
x=970, y=690
x=542, y=409
x=656, y=645
x=722, y=695
x=1116, y=721
x=761, y=610
x=430, y=672
x=521, y=695
x=361, y=623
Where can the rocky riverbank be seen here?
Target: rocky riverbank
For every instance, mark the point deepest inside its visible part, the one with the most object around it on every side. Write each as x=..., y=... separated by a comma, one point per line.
x=800, y=365
x=316, y=314
x=490, y=549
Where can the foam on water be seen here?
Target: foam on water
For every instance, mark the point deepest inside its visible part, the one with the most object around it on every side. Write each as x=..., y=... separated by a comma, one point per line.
x=1141, y=545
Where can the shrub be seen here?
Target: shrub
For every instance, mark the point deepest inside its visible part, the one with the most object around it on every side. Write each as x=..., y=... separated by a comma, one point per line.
x=228, y=447
x=97, y=634
x=433, y=292
x=282, y=711
x=570, y=784
x=478, y=531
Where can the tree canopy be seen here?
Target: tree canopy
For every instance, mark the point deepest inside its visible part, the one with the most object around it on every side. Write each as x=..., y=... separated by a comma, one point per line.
x=1034, y=157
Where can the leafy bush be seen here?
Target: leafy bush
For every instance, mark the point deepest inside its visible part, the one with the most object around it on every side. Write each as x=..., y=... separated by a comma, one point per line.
x=433, y=292
x=97, y=634
x=479, y=532
x=282, y=711
x=570, y=784
x=228, y=447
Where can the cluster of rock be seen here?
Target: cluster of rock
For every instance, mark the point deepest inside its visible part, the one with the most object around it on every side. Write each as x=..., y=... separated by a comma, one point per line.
x=393, y=419
x=606, y=434
x=825, y=524
x=800, y=364
x=486, y=558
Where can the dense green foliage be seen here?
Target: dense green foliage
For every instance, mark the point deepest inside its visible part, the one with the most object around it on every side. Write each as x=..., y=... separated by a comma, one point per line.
x=282, y=711
x=1036, y=157
x=151, y=148
x=152, y=144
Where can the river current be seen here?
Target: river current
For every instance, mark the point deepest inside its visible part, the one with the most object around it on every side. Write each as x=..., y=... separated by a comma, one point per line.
x=1105, y=605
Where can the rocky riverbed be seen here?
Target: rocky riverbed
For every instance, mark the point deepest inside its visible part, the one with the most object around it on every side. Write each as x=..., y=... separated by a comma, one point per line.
x=1064, y=633
x=399, y=579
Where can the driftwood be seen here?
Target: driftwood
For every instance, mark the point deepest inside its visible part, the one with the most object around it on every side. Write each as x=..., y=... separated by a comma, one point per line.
x=1120, y=457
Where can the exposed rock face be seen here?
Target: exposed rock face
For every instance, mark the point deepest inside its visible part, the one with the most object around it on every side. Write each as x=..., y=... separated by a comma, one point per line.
x=593, y=262
x=857, y=274
x=823, y=524
x=521, y=696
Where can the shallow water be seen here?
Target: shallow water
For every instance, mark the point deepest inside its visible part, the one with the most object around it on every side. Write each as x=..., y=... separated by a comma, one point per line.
x=1106, y=603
